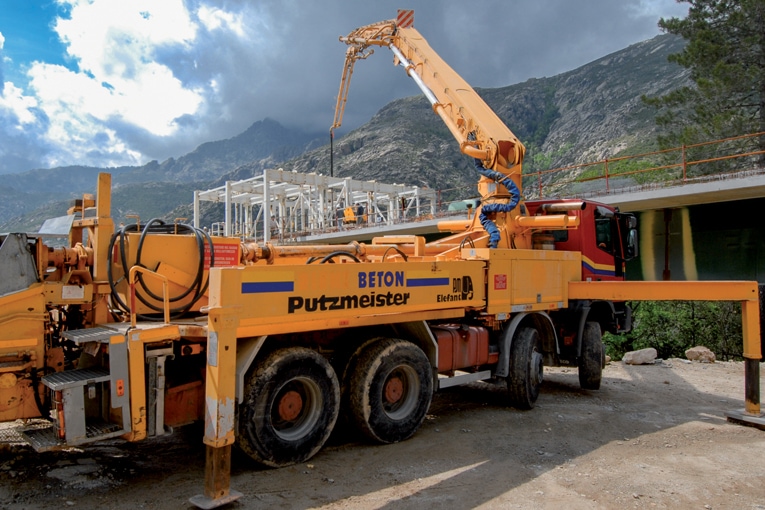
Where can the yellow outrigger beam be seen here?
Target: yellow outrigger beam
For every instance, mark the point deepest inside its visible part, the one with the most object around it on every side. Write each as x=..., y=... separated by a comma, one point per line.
x=745, y=292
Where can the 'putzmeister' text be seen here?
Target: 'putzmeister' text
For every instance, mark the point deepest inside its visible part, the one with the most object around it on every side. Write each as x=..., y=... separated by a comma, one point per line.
x=328, y=303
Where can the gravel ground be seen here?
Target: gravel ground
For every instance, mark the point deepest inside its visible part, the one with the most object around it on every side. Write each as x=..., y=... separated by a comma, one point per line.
x=653, y=436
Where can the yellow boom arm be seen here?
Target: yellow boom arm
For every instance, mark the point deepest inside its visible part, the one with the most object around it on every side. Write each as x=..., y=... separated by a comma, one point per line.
x=478, y=130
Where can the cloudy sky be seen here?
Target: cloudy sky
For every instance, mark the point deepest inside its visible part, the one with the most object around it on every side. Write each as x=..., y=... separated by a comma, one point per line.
x=115, y=82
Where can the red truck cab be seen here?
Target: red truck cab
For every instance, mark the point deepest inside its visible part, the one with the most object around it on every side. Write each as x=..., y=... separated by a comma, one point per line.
x=606, y=238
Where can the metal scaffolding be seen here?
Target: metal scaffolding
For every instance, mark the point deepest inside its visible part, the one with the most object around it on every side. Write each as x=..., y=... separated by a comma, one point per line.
x=287, y=204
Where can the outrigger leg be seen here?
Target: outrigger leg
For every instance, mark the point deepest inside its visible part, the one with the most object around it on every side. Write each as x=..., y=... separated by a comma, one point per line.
x=751, y=414
x=220, y=407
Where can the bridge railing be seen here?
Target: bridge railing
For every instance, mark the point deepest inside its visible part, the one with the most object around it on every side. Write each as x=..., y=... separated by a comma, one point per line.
x=716, y=159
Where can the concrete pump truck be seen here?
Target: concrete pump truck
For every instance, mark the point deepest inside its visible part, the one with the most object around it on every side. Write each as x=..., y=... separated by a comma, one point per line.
x=128, y=332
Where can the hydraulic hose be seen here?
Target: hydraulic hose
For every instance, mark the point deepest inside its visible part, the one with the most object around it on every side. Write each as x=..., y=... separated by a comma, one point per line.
x=515, y=196
x=157, y=226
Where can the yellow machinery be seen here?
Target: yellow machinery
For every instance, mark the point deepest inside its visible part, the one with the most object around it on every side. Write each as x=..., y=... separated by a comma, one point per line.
x=127, y=332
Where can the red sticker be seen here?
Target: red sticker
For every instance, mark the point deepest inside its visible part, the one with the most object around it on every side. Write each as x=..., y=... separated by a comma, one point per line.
x=226, y=255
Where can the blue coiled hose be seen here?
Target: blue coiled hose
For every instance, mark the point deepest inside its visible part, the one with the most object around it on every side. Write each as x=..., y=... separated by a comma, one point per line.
x=515, y=196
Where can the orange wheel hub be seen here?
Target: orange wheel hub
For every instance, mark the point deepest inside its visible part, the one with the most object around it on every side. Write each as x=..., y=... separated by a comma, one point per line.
x=290, y=406
x=394, y=388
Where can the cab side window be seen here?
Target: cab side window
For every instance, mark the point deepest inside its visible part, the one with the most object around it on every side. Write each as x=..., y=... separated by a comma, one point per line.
x=603, y=234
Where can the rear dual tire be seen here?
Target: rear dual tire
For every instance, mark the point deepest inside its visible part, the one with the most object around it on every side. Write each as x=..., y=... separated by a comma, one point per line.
x=291, y=403
x=389, y=386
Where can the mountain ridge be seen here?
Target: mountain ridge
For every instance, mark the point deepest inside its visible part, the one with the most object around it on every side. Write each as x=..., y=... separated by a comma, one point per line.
x=586, y=114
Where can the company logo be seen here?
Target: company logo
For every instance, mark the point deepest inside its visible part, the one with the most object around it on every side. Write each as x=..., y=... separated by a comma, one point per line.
x=350, y=302
x=380, y=279
x=462, y=290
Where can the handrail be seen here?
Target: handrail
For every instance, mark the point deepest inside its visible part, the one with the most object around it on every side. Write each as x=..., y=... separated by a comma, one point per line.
x=608, y=175
x=572, y=177
x=165, y=300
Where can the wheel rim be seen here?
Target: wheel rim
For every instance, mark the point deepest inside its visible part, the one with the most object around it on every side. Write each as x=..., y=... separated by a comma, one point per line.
x=296, y=408
x=537, y=367
x=399, y=392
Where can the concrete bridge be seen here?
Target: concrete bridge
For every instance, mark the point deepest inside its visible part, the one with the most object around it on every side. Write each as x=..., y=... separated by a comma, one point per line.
x=710, y=229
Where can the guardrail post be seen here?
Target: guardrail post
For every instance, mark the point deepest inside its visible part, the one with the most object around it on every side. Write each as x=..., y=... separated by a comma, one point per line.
x=685, y=170
x=606, y=166
x=539, y=180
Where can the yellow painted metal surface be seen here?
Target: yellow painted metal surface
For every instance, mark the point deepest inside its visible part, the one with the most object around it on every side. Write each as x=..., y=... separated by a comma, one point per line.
x=461, y=108
x=665, y=291
x=743, y=291
x=62, y=293
x=22, y=322
x=177, y=258
x=17, y=401
x=22, y=316
x=750, y=323
x=524, y=280
x=273, y=299
x=220, y=386
x=137, y=340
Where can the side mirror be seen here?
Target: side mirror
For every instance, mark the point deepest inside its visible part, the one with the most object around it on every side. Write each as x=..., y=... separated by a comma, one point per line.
x=631, y=250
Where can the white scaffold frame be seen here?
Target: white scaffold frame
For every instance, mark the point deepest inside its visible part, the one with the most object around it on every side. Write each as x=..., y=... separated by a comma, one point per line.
x=309, y=204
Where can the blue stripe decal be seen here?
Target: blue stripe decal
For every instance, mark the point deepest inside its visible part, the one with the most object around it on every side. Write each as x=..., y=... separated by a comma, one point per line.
x=263, y=287
x=426, y=282
x=601, y=272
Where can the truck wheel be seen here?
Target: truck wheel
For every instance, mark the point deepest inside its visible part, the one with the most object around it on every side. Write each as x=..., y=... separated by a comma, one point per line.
x=291, y=402
x=389, y=390
x=592, y=358
x=526, y=369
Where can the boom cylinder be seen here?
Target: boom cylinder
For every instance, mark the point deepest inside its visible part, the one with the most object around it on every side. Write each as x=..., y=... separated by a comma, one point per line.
x=563, y=207
x=552, y=221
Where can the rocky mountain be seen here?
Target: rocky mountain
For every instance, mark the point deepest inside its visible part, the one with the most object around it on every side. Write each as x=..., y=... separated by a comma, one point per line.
x=264, y=144
x=587, y=114
x=155, y=188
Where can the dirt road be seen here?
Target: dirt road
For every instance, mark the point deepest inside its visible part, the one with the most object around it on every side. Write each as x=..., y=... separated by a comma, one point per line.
x=653, y=437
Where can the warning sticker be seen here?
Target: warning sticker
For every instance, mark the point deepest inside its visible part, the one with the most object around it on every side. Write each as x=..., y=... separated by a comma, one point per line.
x=226, y=255
x=72, y=292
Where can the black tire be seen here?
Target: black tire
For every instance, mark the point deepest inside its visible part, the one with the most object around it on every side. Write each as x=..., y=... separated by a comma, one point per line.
x=593, y=357
x=351, y=365
x=389, y=390
x=290, y=406
x=526, y=369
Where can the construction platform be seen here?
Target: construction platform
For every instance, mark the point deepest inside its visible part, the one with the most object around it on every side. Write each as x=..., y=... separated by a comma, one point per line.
x=292, y=207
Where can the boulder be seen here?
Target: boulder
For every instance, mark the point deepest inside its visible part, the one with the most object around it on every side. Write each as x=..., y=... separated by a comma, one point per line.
x=640, y=357
x=700, y=353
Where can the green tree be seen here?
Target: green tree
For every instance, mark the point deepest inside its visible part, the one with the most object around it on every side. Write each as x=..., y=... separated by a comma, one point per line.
x=725, y=54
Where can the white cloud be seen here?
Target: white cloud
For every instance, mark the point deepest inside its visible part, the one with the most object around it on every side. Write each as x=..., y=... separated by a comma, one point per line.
x=213, y=18
x=148, y=79
x=118, y=85
x=659, y=8
x=14, y=102
x=115, y=44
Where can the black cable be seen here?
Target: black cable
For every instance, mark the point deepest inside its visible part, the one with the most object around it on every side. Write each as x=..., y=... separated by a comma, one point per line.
x=157, y=226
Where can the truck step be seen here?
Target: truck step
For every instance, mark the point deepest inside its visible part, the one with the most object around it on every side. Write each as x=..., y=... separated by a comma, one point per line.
x=46, y=439
x=58, y=381
x=98, y=334
x=460, y=378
